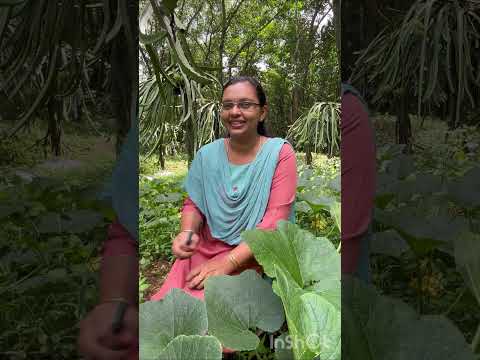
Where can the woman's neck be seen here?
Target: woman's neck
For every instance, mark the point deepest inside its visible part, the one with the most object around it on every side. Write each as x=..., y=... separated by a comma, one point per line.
x=244, y=145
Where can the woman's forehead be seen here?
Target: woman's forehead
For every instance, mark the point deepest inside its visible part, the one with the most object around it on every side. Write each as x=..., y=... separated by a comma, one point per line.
x=240, y=91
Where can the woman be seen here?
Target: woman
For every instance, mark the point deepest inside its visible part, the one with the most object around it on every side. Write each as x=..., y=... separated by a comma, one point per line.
x=244, y=181
x=100, y=337
x=358, y=183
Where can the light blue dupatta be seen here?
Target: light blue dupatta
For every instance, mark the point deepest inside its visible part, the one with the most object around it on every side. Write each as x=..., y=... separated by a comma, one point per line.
x=233, y=198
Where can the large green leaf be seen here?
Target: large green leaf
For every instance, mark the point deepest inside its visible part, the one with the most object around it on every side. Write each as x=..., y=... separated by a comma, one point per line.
x=300, y=206
x=316, y=200
x=379, y=327
x=422, y=232
x=236, y=304
x=388, y=242
x=335, y=213
x=313, y=320
x=297, y=252
x=465, y=190
x=306, y=272
x=192, y=347
x=467, y=257
x=283, y=347
x=9, y=209
x=400, y=167
x=162, y=321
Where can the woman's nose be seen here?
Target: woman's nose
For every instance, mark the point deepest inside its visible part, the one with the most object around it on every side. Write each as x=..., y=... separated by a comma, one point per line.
x=235, y=110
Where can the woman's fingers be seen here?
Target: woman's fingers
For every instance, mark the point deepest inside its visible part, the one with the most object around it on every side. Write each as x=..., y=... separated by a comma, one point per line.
x=180, y=248
x=194, y=272
x=194, y=279
x=193, y=243
x=202, y=284
x=182, y=254
x=93, y=348
x=102, y=353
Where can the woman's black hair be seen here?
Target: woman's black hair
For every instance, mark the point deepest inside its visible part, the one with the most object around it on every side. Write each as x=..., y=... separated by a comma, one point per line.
x=262, y=98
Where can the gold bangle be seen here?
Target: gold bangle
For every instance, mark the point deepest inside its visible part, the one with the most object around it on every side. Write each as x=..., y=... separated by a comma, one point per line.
x=233, y=260
x=117, y=299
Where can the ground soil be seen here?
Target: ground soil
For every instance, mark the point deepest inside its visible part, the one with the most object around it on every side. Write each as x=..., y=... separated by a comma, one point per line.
x=155, y=275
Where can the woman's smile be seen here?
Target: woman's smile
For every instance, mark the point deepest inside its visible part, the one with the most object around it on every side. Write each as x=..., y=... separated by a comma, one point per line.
x=237, y=124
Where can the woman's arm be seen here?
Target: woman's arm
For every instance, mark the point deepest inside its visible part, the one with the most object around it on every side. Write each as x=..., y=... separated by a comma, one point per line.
x=192, y=218
x=280, y=202
x=119, y=266
x=358, y=179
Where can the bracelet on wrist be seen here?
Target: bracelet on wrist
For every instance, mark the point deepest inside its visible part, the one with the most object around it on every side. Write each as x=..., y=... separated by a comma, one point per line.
x=117, y=300
x=233, y=260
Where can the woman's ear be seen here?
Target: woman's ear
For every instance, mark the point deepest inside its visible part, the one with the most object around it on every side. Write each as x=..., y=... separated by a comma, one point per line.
x=264, y=112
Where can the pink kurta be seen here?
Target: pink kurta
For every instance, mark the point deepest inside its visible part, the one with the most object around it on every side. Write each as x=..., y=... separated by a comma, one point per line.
x=282, y=197
x=358, y=179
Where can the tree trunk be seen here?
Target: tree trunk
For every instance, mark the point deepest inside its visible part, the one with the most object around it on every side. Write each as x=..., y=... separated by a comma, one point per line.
x=452, y=108
x=403, y=125
x=308, y=155
x=54, y=131
x=216, y=124
x=161, y=149
x=189, y=130
x=124, y=74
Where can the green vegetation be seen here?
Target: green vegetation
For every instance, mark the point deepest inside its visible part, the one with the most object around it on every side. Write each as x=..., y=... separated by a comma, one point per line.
x=288, y=45
x=305, y=287
x=161, y=198
x=426, y=225
x=51, y=230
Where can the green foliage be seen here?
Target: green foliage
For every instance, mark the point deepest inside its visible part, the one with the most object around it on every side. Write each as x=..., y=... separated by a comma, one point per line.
x=237, y=305
x=318, y=199
x=279, y=42
x=309, y=289
x=380, y=327
x=49, y=75
x=160, y=202
x=319, y=128
x=47, y=268
x=232, y=310
x=178, y=323
x=426, y=221
x=431, y=53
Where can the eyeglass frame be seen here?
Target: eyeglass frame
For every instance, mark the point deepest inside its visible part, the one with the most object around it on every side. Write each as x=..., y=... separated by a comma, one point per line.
x=237, y=103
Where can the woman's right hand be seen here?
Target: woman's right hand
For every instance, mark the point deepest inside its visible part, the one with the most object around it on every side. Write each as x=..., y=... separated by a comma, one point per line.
x=97, y=341
x=180, y=248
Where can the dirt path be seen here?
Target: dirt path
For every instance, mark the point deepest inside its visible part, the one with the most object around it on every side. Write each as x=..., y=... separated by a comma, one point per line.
x=155, y=275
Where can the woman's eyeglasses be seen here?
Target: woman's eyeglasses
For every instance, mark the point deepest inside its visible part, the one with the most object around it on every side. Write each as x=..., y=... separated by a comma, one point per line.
x=242, y=105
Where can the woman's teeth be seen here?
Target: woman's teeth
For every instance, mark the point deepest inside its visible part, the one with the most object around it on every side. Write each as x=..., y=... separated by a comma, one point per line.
x=237, y=123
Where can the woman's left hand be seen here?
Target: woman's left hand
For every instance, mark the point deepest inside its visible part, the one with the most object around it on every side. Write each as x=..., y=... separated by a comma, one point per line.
x=196, y=278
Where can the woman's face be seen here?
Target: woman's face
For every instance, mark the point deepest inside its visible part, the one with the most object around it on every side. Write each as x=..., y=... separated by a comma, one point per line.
x=241, y=122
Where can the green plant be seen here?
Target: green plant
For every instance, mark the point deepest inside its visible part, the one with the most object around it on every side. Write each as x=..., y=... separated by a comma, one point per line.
x=237, y=305
x=429, y=214
x=431, y=53
x=318, y=203
x=319, y=128
x=160, y=202
x=50, y=237
x=230, y=317
x=375, y=326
